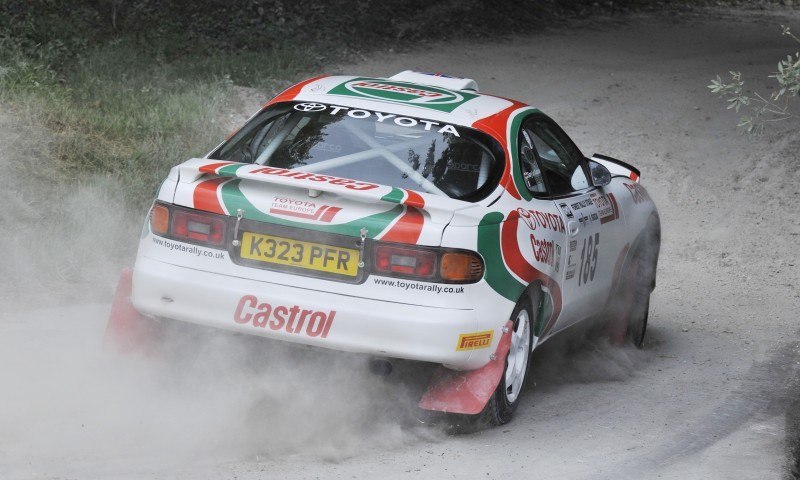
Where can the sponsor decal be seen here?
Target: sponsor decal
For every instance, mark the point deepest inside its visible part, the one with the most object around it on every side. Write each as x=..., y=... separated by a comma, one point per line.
x=310, y=107
x=464, y=167
x=419, y=287
x=379, y=117
x=234, y=199
x=571, y=256
x=190, y=249
x=295, y=319
x=567, y=211
x=606, y=206
x=534, y=219
x=543, y=251
x=588, y=259
x=582, y=204
x=291, y=207
x=327, y=147
x=638, y=193
x=314, y=177
x=475, y=341
x=400, y=92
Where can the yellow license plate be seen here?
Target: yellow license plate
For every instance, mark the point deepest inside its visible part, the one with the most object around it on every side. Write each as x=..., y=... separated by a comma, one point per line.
x=294, y=253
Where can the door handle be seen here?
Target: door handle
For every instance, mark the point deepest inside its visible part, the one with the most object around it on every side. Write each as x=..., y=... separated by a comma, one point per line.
x=572, y=227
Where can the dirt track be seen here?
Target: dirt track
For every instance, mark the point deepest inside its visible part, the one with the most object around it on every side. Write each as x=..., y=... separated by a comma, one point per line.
x=705, y=399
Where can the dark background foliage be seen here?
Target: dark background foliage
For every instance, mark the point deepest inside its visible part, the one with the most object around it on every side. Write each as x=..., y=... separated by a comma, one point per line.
x=128, y=88
x=59, y=29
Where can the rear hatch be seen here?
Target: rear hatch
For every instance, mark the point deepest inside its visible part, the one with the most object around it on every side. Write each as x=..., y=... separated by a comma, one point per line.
x=273, y=214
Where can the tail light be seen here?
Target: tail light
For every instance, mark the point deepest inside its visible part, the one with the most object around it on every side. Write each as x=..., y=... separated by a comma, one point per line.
x=199, y=227
x=192, y=226
x=405, y=261
x=460, y=267
x=159, y=219
x=428, y=264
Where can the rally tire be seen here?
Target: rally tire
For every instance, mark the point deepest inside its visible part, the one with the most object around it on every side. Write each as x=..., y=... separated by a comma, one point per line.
x=641, y=282
x=639, y=306
x=506, y=397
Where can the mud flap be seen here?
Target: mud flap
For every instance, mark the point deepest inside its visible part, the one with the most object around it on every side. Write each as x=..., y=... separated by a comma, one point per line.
x=467, y=392
x=128, y=330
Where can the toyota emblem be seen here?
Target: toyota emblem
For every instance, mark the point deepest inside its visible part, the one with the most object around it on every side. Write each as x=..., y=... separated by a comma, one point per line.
x=310, y=107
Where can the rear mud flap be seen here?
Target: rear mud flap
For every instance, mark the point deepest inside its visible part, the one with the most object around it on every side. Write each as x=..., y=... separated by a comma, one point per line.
x=128, y=331
x=467, y=392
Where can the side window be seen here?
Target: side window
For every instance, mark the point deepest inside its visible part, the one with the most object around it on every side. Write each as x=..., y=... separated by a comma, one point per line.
x=562, y=162
x=530, y=167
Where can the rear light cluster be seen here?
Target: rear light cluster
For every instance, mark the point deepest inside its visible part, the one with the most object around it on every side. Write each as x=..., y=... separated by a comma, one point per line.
x=431, y=264
x=395, y=260
x=192, y=226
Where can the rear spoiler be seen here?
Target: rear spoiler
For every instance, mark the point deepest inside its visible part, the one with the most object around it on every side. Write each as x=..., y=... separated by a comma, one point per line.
x=192, y=170
x=440, y=208
x=618, y=168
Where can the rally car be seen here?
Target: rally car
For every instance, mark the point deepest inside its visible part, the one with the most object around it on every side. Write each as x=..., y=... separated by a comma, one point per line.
x=409, y=217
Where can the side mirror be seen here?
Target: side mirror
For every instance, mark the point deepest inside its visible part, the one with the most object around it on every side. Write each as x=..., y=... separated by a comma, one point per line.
x=600, y=174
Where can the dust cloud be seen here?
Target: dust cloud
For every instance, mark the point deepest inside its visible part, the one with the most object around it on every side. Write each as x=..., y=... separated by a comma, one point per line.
x=71, y=405
x=64, y=240
x=586, y=356
x=203, y=396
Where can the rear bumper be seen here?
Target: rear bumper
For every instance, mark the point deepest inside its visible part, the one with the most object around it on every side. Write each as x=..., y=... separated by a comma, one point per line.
x=310, y=317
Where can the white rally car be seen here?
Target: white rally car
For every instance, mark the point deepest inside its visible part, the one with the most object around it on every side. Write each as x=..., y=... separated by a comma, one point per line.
x=404, y=218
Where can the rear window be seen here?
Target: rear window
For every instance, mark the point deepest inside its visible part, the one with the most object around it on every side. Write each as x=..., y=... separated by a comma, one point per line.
x=369, y=146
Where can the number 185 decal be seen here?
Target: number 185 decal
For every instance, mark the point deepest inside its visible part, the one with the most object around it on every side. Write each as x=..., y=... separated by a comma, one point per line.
x=588, y=259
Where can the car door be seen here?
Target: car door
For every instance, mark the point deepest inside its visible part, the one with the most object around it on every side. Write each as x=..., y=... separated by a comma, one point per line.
x=541, y=231
x=588, y=255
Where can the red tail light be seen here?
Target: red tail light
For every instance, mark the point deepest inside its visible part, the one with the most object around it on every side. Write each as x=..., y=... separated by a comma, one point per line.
x=428, y=263
x=199, y=227
x=193, y=226
x=405, y=261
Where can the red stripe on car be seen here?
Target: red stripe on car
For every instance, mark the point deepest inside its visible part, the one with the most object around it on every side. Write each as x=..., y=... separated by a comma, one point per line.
x=329, y=214
x=292, y=92
x=614, y=205
x=407, y=229
x=205, y=195
x=213, y=167
x=495, y=125
x=524, y=270
x=413, y=199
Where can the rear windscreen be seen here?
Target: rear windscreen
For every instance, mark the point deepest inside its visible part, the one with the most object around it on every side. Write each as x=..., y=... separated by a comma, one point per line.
x=369, y=146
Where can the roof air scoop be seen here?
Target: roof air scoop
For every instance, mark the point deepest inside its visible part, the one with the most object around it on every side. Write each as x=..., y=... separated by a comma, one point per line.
x=436, y=80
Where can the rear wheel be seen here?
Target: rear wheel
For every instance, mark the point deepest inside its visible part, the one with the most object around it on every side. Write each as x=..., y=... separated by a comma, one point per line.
x=506, y=397
x=629, y=315
x=639, y=305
